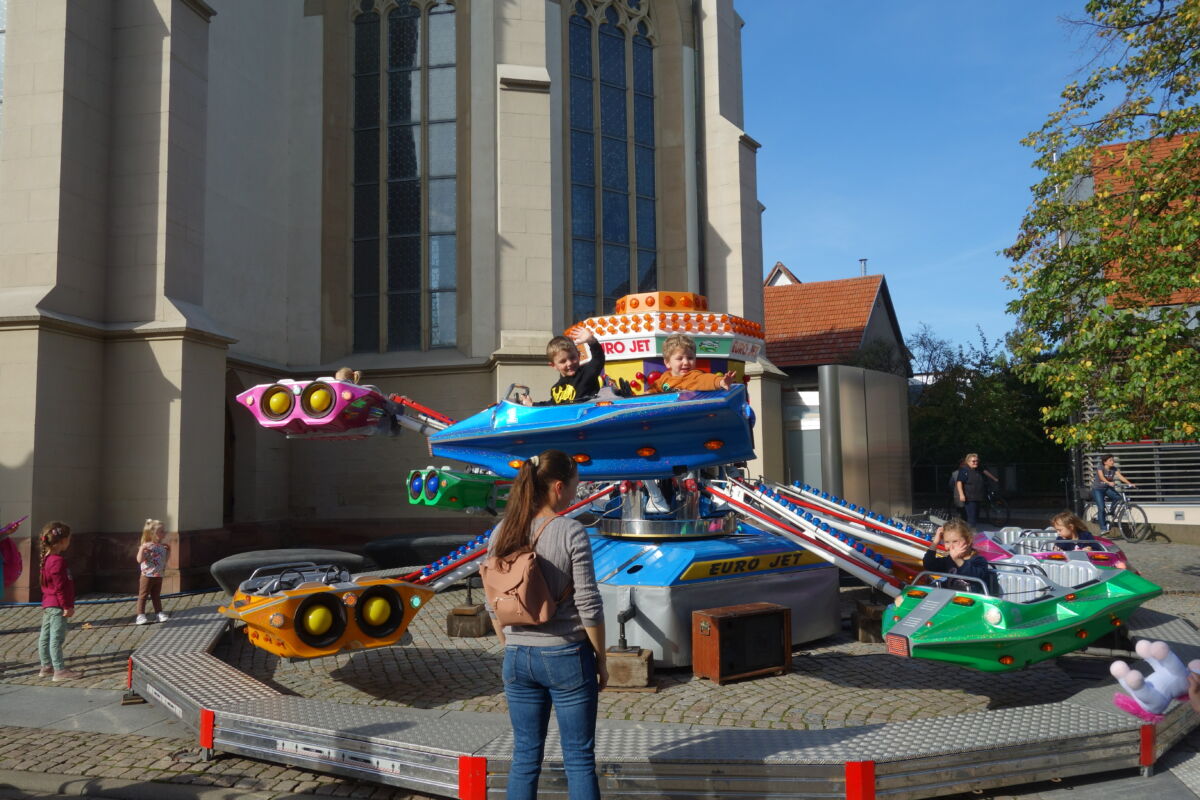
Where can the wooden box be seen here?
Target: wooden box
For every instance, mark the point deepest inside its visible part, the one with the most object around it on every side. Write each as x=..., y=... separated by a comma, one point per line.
x=741, y=641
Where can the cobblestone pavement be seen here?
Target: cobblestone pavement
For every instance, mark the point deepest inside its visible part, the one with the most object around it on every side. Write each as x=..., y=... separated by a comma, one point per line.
x=835, y=682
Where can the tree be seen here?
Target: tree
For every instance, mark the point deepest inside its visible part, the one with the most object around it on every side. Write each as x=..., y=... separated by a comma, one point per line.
x=972, y=401
x=1105, y=264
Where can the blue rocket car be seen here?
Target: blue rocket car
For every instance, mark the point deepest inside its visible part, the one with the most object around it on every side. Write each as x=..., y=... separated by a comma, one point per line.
x=651, y=436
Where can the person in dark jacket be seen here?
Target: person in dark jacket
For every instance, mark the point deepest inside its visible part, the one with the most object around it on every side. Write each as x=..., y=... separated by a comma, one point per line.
x=970, y=490
x=960, y=559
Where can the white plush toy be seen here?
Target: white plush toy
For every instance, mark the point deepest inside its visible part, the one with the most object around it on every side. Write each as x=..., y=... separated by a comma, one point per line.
x=1148, y=697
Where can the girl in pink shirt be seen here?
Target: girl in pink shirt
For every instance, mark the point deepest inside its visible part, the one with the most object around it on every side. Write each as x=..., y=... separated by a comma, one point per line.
x=58, y=601
x=152, y=557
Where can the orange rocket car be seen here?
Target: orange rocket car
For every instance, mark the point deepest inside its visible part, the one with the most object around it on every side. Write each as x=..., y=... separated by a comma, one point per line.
x=302, y=610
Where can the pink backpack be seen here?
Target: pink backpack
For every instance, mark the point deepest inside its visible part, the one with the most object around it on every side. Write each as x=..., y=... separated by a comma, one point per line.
x=515, y=587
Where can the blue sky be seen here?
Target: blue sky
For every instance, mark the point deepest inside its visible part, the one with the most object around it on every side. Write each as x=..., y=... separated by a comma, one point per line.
x=891, y=131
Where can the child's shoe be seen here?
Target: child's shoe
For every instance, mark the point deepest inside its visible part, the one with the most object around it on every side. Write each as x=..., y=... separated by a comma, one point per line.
x=163, y=616
x=45, y=672
x=141, y=620
x=66, y=675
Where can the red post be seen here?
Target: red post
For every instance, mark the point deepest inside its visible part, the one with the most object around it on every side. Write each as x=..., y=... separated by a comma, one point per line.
x=472, y=778
x=1146, y=755
x=206, y=728
x=129, y=674
x=860, y=780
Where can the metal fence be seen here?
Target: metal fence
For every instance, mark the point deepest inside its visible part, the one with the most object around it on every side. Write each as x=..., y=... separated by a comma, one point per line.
x=1040, y=482
x=1164, y=473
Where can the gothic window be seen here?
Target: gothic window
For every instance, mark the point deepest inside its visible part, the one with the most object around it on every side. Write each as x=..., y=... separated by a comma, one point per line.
x=405, y=175
x=610, y=108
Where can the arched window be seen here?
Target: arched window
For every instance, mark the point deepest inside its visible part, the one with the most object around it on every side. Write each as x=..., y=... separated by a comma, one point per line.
x=611, y=150
x=405, y=175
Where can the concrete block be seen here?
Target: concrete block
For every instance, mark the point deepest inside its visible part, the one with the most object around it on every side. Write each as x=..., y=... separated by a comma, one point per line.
x=629, y=670
x=469, y=622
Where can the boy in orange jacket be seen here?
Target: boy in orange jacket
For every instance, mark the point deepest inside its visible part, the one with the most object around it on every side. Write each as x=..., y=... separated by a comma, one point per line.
x=679, y=353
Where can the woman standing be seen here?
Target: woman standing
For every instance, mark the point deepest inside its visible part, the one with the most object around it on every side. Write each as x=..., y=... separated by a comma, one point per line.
x=969, y=488
x=560, y=662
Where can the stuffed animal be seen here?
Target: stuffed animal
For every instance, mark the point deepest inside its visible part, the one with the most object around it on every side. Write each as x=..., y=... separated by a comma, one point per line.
x=1149, y=696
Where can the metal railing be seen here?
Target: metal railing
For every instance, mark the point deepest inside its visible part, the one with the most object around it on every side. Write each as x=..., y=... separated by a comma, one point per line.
x=1164, y=473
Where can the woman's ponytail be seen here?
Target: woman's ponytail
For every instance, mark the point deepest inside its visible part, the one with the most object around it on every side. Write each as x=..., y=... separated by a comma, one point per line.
x=529, y=493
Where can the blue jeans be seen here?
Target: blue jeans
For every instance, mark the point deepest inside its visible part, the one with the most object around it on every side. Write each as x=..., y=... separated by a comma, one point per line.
x=50, y=639
x=535, y=677
x=971, y=512
x=1099, y=495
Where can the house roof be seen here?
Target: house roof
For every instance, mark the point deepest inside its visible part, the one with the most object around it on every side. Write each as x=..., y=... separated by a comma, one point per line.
x=821, y=322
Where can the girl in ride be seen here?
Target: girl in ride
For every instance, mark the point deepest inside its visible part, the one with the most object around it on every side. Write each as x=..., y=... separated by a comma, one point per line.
x=1073, y=533
x=560, y=662
x=961, y=559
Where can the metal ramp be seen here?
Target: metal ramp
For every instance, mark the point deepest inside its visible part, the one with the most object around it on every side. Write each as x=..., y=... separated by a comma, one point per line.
x=465, y=755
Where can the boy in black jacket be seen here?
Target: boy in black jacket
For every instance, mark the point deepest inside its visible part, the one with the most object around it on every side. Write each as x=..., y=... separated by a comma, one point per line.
x=576, y=382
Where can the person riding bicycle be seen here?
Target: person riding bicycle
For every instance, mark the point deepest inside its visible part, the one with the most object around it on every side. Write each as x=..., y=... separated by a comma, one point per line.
x=970, y=488
x=1104, y=487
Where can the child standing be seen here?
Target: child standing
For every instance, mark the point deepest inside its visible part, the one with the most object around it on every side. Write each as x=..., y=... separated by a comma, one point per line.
x=58, y=601
x=152, y=560
x=679, y=353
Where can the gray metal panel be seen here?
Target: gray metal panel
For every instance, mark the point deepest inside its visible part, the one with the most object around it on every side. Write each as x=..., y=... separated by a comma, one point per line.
x=192, y=630
x=897, y=741
x=432, y=731
x=392, y=766
x=663, y=623
x=206, y=681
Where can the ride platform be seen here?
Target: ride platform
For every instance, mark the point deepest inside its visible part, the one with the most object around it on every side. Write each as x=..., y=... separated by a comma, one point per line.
x=466, y=755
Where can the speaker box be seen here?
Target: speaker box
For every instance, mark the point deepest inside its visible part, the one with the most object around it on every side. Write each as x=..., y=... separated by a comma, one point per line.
x=741, y=641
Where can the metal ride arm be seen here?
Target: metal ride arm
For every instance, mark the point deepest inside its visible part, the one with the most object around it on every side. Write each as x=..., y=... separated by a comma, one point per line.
x=465, y=561
x=763, y=512
x=419, y=418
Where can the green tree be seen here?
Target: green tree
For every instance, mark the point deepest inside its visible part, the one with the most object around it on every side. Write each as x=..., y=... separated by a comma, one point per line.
x=972, y=401
x=1105, y=264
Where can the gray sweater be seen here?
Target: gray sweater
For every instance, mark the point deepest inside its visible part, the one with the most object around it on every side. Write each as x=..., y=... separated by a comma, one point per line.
x=564, y=554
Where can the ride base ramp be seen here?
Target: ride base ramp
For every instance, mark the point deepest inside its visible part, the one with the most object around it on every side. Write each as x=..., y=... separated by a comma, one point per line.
x=466, y=755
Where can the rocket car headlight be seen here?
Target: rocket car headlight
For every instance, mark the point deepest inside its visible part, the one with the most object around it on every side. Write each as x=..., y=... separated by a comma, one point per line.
x=317, y=400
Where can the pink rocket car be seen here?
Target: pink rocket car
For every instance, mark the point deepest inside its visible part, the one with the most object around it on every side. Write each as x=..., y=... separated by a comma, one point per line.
x=1009, y=542
x=324, y=406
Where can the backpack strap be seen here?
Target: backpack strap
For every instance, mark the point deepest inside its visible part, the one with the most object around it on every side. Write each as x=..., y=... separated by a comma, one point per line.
x=533, y=546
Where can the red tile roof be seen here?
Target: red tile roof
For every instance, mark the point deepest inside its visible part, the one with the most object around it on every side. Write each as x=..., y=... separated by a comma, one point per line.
x=818, y=323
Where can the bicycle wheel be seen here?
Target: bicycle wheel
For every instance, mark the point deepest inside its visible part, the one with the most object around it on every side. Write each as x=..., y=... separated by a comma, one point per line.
x=1132, y=521
x=997, y=512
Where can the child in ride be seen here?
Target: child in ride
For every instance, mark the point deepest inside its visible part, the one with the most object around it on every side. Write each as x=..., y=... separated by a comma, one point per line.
x=1072, y=533
x=961, y=558
x=679, y=353
x=577, y=382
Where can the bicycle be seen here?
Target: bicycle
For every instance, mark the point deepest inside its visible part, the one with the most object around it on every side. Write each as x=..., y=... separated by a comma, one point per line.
x=995, y=509
x=1127, y=517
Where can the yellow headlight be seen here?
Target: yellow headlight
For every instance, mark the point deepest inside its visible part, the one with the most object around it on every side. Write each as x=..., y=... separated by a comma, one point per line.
x=320, y=400
x=376, y=611
x=318, y=620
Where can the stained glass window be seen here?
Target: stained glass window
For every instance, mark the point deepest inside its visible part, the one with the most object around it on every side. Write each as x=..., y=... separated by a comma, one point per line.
x=405, y=176
x=610, y=106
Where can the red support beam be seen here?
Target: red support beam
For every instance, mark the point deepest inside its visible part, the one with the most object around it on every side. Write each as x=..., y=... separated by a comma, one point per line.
x=1146, y=754
x=860, y=780
x=206, y=728
x=472, y=778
